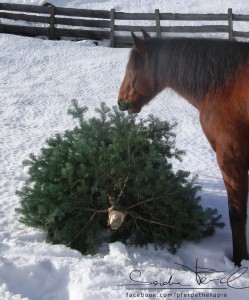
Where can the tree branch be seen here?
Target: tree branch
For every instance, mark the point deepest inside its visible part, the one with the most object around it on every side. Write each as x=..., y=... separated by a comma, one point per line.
x=82, y=229
x=149, y=221
x=149, y=200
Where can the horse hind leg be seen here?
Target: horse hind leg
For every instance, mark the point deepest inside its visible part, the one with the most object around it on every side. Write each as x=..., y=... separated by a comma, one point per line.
x=235, y=175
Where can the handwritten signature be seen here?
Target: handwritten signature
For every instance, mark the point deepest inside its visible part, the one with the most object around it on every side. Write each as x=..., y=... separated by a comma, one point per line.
x=203, y=276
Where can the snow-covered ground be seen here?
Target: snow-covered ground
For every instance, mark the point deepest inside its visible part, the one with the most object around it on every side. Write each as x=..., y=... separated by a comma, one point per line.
x=38, y=79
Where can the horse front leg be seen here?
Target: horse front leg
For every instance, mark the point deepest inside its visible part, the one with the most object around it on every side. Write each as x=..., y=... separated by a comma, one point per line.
x=235, y=175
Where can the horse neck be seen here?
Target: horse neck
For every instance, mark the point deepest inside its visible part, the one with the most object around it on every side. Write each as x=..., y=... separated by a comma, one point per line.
x=185, y=91
x=194, y=68
x=173, y=70
x=188, y=96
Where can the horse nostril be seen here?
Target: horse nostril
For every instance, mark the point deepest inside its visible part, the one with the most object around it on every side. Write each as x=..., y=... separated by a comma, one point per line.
x=123, y=105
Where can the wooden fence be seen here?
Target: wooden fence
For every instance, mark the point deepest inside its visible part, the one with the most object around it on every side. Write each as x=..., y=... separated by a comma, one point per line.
x=58, y=22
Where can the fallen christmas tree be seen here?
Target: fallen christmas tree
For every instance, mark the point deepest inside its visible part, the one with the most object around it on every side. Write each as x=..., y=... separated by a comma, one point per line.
x=119, y=168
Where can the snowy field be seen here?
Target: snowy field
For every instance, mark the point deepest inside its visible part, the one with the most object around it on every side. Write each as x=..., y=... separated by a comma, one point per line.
x=38, y=79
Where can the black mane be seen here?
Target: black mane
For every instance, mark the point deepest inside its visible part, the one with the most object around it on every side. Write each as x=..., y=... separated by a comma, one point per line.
x=193, y=65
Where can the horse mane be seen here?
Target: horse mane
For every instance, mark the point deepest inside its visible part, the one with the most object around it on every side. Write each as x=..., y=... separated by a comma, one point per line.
x=192, y=65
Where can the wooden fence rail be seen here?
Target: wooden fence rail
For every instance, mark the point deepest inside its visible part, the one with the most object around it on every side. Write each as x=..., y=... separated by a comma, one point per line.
x=58, y=22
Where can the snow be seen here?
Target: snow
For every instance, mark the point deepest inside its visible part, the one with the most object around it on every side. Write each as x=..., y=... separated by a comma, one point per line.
x=38, y=79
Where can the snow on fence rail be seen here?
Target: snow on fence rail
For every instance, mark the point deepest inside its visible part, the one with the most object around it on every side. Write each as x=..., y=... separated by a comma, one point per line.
x=58, y=22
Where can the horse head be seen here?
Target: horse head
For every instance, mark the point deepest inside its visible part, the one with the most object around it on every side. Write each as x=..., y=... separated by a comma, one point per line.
x=136, y=89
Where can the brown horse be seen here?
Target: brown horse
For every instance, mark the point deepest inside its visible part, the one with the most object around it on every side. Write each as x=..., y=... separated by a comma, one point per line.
x=213, y=75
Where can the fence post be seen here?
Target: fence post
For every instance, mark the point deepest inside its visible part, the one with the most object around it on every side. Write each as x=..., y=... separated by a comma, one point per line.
x=52, y=21
x=112, y=24
x=158, y=27
x=230, y=24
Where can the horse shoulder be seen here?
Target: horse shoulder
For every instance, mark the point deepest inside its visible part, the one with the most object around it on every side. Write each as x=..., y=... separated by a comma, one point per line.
x=224, y=115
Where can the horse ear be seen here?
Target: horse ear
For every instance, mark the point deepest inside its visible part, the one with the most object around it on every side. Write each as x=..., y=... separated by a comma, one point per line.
x=138, y=44
x=145, y=34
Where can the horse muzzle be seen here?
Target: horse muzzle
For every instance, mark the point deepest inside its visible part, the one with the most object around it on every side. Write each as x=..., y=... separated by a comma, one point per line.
x=126, y=105
x=123, y=104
